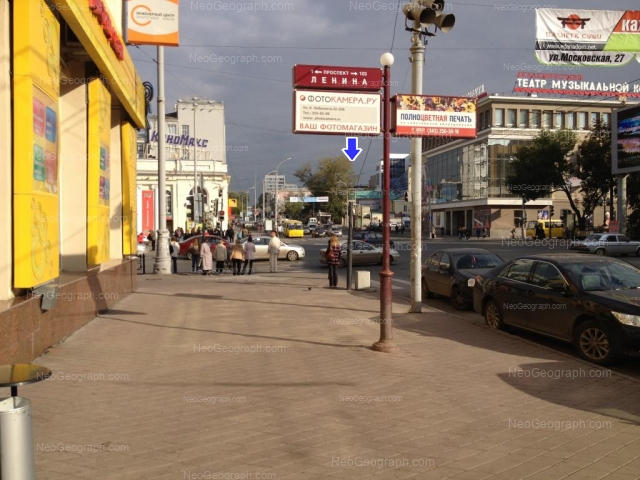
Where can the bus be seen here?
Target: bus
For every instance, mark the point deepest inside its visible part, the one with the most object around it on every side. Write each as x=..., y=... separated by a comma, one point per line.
x=556, y=226
x=293, y=229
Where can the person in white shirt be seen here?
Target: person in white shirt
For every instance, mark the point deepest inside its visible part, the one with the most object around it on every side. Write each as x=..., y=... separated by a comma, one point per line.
x=273, y=250
x=175, y=251
x=249, y=255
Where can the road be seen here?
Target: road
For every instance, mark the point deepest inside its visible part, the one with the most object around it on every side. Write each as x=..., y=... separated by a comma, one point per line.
x=506, y=249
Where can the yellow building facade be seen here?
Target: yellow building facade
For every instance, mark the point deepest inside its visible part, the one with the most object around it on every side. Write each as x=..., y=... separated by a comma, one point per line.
x=70, y=103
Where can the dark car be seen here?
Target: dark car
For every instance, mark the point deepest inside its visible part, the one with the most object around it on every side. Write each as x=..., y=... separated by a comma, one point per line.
x=592, y=302
x=447, y=272
x=373, y=238
x=212, y=240
x=321, y=231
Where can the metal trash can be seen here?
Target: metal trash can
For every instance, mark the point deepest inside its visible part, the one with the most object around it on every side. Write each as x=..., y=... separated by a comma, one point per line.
x=17, y=461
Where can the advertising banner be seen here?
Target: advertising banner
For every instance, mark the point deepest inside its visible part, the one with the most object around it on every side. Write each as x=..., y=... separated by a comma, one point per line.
x=36, y=83
x=433, y=116
x=98, y=174
x=152, y=22
x=336, y=113
x=337, y=78
x=605, y=38
x=625, y=140
x=562, y=84
x=148, y=211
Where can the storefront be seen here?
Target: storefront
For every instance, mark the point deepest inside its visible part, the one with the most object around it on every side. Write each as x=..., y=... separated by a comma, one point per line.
x=69, y=166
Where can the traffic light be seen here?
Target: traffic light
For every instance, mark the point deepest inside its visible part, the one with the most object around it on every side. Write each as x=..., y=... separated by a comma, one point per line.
x=551, y=211
x=428, y=13
x=190, y=208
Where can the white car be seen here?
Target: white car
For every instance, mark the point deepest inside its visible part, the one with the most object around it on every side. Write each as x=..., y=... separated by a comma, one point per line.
x=337, y=231
x=287, y=250
x=607, y=244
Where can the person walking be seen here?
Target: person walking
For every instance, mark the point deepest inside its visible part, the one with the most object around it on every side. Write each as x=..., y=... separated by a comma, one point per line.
x=442, y=231
x=478, y=232
x=333, y=255
x=245, y=231
x=433, y=231
x=237, y=256
x=206, y=258
x=273, y=250
x=402, y=229
x=221, y=256
x=175, y=251
x=249, y=255
x=194, y=250
x=230, y=233
x=154, y=239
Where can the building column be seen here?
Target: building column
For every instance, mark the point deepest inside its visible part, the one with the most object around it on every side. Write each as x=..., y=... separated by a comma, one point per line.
x=115, y=182
x=73, y=171
x=6, y=176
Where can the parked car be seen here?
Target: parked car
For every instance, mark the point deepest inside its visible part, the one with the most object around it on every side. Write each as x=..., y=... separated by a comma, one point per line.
x=212, y=240
x=361, y=253
x=607, y=244
x=288, y=251
x=591, y=302
x=336, y=230
x=373, y=238
x=447, y=272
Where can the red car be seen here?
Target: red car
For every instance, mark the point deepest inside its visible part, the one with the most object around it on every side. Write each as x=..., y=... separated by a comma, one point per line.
x=212, y=240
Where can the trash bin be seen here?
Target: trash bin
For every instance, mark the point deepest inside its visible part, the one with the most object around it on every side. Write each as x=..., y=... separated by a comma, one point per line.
x=16, y=439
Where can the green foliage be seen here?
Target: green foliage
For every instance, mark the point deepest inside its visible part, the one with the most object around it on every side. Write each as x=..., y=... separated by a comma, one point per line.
x=293, y=209
x=331, y=178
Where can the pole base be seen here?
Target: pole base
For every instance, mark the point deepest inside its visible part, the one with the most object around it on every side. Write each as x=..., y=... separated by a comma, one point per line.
x=162, y=263
x=385, y=346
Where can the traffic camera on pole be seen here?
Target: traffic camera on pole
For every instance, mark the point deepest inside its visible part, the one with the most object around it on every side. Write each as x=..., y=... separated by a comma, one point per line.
x=427, y=13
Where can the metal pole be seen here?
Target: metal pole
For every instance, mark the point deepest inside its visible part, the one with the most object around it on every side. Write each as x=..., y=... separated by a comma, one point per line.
x=622, y=202
x=349, y=243
x=275, y=203
x=162, y=263
x=17, y=460
x=417, y=64
x=523, y=219
x=264, y=195
x=386, y=343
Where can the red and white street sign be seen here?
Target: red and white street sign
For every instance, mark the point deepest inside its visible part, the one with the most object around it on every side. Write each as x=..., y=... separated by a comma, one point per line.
x=336, y=113
x=337, y=78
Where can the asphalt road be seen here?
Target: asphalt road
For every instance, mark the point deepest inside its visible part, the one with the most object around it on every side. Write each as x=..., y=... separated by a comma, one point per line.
x=506, y=249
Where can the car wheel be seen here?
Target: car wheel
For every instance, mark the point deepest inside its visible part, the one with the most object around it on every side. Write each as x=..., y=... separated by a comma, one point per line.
x=457, y=300
x=292, y=256
x=492, y=315
x=592, y=343
x=343, y=262
x=425, y=289
x=600, y=251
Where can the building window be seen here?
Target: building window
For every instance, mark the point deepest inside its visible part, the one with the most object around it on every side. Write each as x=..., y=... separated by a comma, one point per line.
x=559, y=120
x=595, y=118
x=582, y=120
x=140, y=150
x=499, y=122
x=524, y=119
x=511, y=117
x=173, y=128
x=547, y=119
x=169, y=204
x=480, y=120
x=535, y=119
x=185, y=130
x=570, y=120
x=606, y=118
x=487, y=119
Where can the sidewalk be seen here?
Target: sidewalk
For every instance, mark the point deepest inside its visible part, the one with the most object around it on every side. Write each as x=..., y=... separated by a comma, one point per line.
x=272, y=376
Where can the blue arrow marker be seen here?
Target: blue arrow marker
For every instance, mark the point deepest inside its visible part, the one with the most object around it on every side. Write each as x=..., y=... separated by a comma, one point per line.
x=352, y=151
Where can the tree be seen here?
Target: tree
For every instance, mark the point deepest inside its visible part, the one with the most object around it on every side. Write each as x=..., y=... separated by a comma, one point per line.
x=292, y=209
x=546, y=165
x=331, y=178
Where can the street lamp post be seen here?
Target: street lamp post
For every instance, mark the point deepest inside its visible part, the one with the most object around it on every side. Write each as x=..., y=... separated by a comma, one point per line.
x=386, y=343
x=254, y=201
x=349, y=239
x=275, y=206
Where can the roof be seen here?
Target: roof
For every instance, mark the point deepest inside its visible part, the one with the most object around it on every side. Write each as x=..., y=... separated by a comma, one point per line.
x=463, y=250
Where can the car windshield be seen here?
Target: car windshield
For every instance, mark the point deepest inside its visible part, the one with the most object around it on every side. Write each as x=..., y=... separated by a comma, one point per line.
x=601, y=276
x=475, y=260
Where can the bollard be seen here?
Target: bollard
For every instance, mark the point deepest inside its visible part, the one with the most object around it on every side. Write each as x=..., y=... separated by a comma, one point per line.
x=17, y=460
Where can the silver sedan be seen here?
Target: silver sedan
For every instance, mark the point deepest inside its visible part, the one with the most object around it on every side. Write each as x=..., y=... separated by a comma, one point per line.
x=607, y=244
x=361, y=253
x=288, y=251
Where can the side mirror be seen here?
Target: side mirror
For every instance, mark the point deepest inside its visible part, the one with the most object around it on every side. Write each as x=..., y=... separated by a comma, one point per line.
x=444, y=268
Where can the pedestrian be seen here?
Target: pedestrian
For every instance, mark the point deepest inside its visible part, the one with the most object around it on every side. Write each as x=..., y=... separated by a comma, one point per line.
x=206, y=258
x=402, y=229
x=460, y=233
x=245, y=231
x=221, y=256
x=249, y=255
x=333, y=256
x=141, y=237
x=175, y=251
x=513, y=233
x=397, y=228
x=273, y=250
x=194, y=250
x=484, y=233
x=237, y=256
x=442, y=231
x=280, y=231
x=230, y=233
x=433, y=232
x=154, y=239
x=468, y=232
x=478, y=232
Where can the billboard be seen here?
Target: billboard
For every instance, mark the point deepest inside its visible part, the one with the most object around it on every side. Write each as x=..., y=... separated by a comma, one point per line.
x=605, y=38
x=341, y=78
x=433, y=116
x=625, y=140
x=572, y=84
x=152, y=22
x=336, y=113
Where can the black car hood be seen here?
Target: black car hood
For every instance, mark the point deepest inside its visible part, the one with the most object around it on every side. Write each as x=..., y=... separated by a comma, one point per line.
x=623, y=301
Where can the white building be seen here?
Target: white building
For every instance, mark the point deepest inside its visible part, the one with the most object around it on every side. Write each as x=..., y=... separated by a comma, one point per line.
x=195, y=130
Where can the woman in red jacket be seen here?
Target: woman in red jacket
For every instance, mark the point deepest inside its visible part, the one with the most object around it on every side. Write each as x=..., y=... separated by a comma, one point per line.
x=333, y=256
